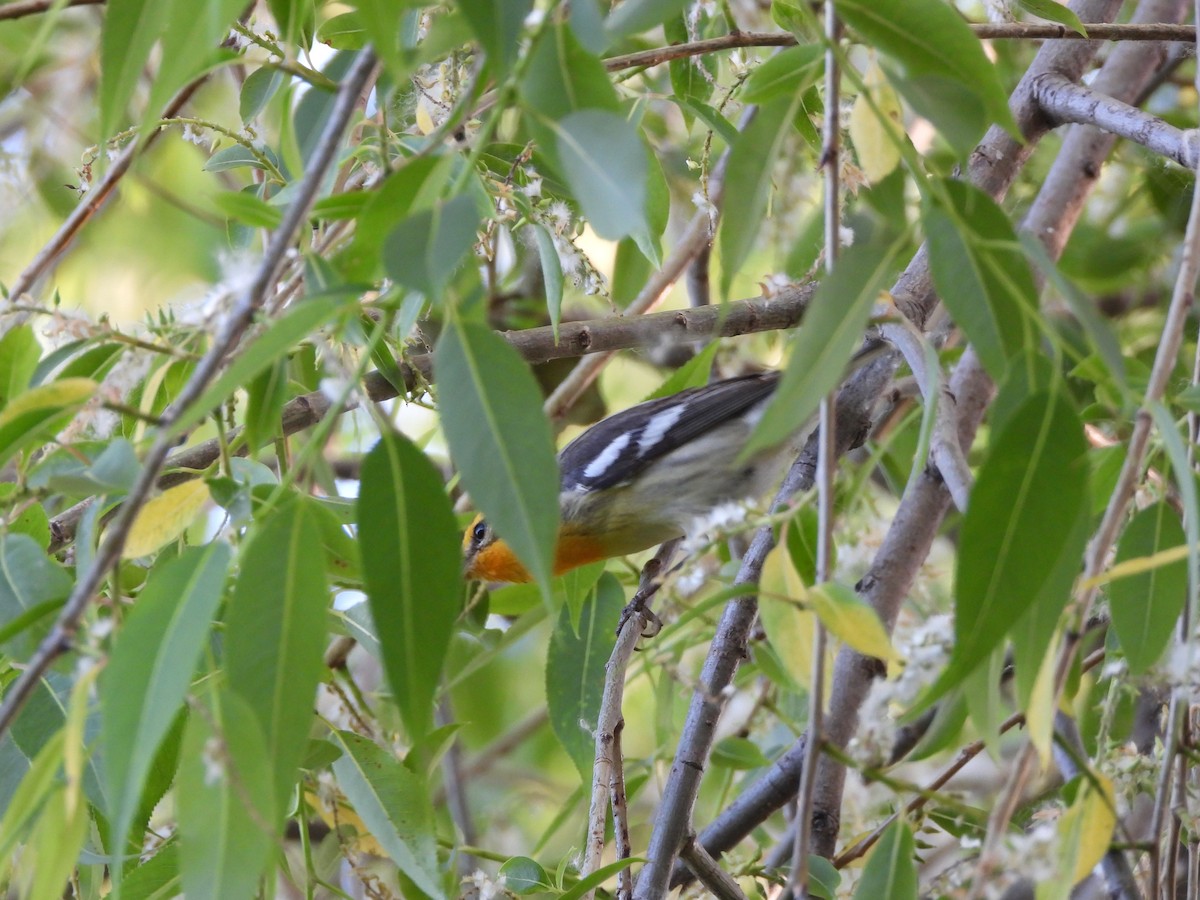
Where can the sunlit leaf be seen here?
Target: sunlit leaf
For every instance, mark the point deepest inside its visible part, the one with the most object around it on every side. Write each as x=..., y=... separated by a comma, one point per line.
x=875, y=126
x=164, y=518
x=19, y=354
x=36, y=415
x=850, y=620
x=1055, y=12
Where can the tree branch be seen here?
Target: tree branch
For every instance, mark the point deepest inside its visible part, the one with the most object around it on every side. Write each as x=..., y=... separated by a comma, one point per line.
x=1068, y=102
x=1021, y=31
x=536, y=345
x=36, y=7
x=993, y=167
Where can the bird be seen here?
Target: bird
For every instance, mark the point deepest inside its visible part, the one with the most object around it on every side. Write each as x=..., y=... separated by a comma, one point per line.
x=651, y=473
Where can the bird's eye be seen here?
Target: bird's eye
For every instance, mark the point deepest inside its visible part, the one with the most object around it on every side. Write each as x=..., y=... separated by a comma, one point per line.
x=479, y=532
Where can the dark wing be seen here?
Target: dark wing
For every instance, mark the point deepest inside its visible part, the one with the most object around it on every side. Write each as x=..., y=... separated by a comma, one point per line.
x=615, y=450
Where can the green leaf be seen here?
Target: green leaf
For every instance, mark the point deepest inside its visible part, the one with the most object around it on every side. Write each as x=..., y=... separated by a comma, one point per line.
x=931, y=41
x=788, y=73
x=693, y=373
x=248, y=209
x=28, y=577
x=1145, y=607
x=575, y=671
x=275, y=635
x=131, y=28
x=1054, y=12
x=604, y=162
x=491, y=410
x=226, y=810
x=598, y=877
x=30, y=796
x=257, y=90
x=981, y=274
x=423, y=251
x=523, y=875
x=296, y=19
x=832, y=327
x=563, y=77
x=413, y=564
x=1100, y=333
x=265, y=396
x=237, y=157
x=414, y=187
x=19, y=355
x=891, y=871
x=748, y=182
x=277, y=340
x=393, y=803
x=850, y=619
x=634, y=16
x=155, y=879
x=739, y=753
x=36, y=415
x=385, y=24
x=552, y=274
x=1023, y=510
x=498, y=25
x=149, y=670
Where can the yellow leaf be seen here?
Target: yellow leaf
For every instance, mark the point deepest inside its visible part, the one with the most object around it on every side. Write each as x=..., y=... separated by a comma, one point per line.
x=165, y=517
x=424, y=120
x=788, y=625
x=851, y=621
x=56, y=395
x=365, y=842
x=875, y=126
x=1039, y=717
x=1138, y=565
x=1085, y=830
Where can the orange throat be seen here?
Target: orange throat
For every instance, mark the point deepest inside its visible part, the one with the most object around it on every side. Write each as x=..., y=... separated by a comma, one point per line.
x=497, y=562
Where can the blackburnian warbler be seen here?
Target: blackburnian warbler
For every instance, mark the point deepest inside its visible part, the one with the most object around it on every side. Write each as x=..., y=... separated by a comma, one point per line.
x=651, y=473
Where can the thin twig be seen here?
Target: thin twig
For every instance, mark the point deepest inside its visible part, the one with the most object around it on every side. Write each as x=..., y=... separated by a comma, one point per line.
x=455, y=786
x=620, y=813
x=609, y=720
x=239, y=319
x=965, y=755
x=826, y=459
x=719, y=882
x=988, y=31
x=36, y=7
